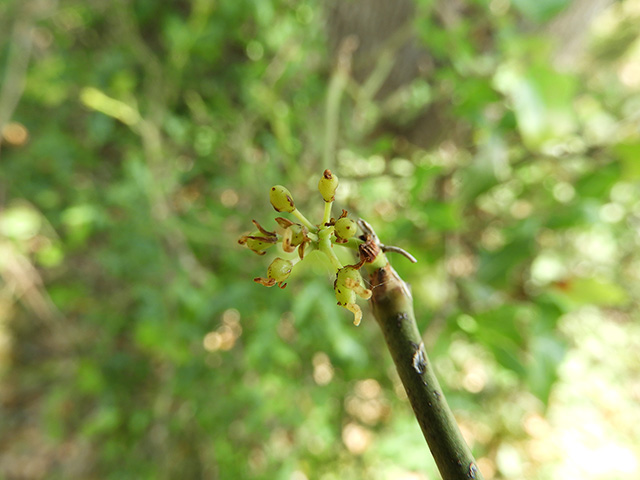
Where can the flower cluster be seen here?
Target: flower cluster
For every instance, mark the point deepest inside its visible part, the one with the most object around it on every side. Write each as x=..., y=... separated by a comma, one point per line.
x=306, y=236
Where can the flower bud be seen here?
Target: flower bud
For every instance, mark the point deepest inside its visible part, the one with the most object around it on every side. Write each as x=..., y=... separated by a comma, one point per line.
x=278, y=272
x=281, y=199
x=328, y=185
x=345, y=228
x=258, y=241
x=258, y=246
x=280, y=269
x=293, y=236
x=350, y=277
x=345, y=295
x=348, y=284
x=347, y=299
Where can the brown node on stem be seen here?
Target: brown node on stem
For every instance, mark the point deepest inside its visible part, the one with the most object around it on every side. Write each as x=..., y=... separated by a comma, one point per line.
x=369, y=250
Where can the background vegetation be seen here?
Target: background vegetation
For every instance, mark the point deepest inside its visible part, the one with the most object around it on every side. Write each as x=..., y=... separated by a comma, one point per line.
x=139, y=138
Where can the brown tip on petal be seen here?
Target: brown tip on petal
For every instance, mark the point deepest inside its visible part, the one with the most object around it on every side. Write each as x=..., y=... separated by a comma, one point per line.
x=267, y=282
x=262, y=230
x=357, y=312
x=283, y=222
x=327, y=174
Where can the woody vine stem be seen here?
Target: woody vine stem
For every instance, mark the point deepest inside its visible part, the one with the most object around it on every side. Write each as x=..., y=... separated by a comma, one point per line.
x=392, y=306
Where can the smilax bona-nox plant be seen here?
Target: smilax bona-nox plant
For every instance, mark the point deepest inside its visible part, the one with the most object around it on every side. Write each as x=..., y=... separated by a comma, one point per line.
x=391, y=305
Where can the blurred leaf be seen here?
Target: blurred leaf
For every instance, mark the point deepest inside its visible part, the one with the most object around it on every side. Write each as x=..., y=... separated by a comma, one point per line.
x=546, y=354
x=104, y=420
x=612, y=47
x=574, y=214
x=599, y=182
x=497, y=268
x=500, y=330
x=541, y=99
x=540, y=10
x=442, y=216
x=594, y=291
x=20, y=222
x=89, y=378
x=628, y=154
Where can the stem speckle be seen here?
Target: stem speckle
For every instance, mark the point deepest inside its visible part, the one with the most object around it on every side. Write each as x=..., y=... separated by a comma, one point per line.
x=420, y=359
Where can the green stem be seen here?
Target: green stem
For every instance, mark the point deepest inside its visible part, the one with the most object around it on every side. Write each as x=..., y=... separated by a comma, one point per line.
x=327, y=212
x=303, y=220
x=325, y=246
x=352, y=243
x=393, y=309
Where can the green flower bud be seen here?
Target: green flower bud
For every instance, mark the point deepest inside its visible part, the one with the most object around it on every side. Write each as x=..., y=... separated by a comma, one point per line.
x=280, y=269
x=281, y=199
x=298, y=234
x=347, y=299
x=345, y=295
x=328, y=185
x=278, y=272
x=348, y=284
x=257, y=245
x=258, y=241
x=348, y=275
x=345, y=228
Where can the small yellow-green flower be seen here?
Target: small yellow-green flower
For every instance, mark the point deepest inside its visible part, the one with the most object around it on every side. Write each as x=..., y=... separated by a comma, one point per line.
x=347, y=286
x=281, y=199
x=277, y=273
x=345, y=228
x=328, y=185
x=259, y=240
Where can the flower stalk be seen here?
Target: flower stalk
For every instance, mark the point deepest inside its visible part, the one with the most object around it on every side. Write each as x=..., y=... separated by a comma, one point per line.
x=392, y=306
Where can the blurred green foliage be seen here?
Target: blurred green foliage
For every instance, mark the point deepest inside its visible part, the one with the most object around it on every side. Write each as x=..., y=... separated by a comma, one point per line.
x=141, y=138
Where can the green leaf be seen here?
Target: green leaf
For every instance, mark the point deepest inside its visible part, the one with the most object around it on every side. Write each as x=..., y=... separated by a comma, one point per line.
x=499, y=330
x=598, y=183
x=442, y=216
x=540, y=10
x=542, y=102
x=629, y=156
x=594, y=291
x=104, y=420
x=477, y=179
x=546, y=354
x=497, y=268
